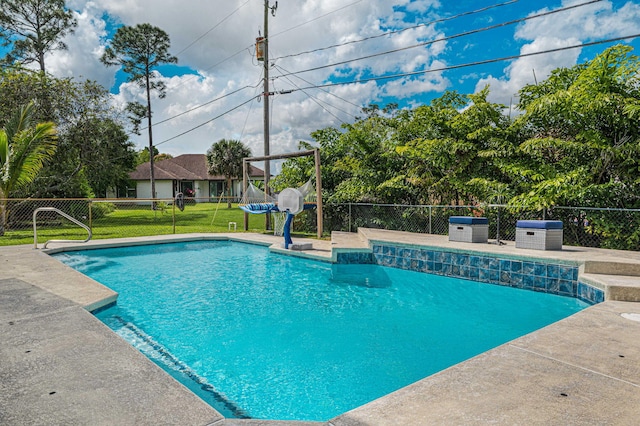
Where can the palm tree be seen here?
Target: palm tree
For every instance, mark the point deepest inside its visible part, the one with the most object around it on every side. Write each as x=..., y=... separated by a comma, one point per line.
x=24, y=149
x=225, y=158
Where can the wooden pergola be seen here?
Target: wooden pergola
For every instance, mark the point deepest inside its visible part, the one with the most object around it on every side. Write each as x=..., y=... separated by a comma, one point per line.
x=316, y=155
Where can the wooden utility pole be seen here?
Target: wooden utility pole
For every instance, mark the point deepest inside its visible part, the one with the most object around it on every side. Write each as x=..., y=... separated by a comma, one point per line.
x=265, y=98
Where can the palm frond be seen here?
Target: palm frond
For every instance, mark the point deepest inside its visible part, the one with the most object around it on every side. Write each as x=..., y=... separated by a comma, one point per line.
x=24, y=149
x=35, y=147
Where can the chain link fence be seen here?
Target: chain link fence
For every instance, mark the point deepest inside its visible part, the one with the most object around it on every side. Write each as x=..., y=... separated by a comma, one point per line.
x=583, y=226
x=119, y=218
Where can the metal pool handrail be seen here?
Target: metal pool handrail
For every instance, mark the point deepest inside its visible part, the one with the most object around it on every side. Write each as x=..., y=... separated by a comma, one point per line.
x=72, y=219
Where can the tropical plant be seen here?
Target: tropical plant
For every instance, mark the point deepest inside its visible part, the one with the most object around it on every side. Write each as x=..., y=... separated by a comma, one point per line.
x=454, y=140
x=295, y=172
x=581, y=134
x=139, y=51
x=359, y=163
x=24, y=148
x=225, y=158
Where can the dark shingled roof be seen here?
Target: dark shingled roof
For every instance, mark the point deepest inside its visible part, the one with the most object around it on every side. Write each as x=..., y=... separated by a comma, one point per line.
x=183, y=167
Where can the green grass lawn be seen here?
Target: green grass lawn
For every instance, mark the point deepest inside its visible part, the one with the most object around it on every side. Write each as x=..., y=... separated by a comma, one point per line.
x=137, y=221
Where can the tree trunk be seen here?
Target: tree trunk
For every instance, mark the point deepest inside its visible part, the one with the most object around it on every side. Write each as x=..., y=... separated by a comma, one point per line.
x=3, y=216
x=41, y=62
x=3, y=212
x=152, y=175
x=228, y=192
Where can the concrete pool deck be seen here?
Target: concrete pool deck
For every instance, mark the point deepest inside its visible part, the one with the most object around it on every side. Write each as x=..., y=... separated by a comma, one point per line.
x=60, y=365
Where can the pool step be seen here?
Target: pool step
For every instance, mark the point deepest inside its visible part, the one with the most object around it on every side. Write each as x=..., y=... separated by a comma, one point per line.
x=630, y=269
x=622, y=288
x=350, y=240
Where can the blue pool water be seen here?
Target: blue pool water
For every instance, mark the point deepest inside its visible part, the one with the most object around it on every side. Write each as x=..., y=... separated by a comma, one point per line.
x=269, y=336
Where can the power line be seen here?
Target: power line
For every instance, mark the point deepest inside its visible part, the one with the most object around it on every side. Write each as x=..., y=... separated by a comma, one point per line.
x=200, y=106
x=233, y=93
x=251, y=45
x=207, y=122
x=290, y=73
x=515, y=21
x=213, y=28
x=226, y=59
x=317, y=101
x=389, y=77
x=203, y=35
x=312, y=20
x=437, y=21
x=316, y=18
x=215, y=65
x=244, y=126
x=471, y=64
x=325, y=91
x=423, y=71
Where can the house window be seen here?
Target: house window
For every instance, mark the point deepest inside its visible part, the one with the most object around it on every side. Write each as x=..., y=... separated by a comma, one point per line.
x=216, y=189
x=186, y=187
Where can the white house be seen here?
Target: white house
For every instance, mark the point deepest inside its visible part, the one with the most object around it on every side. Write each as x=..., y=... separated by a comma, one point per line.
x=187, y=173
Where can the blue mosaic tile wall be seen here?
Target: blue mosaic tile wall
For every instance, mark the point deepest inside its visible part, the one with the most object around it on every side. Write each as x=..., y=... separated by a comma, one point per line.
x=354, y=257
x=538, y=276
x=590, y=294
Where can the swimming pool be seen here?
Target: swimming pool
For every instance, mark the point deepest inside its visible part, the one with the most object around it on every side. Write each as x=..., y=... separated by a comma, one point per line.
x=269, y=336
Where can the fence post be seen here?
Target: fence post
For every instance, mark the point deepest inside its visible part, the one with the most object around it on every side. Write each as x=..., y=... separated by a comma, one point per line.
x=349, y=217
x=498, y=226
x=173, y=215
x=430, y=216
x=90, y=215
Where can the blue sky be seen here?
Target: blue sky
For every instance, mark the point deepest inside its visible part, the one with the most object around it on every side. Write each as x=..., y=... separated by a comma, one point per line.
x=219, y=76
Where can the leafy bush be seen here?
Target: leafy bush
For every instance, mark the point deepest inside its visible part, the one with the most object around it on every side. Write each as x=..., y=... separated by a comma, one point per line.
x=100, y=210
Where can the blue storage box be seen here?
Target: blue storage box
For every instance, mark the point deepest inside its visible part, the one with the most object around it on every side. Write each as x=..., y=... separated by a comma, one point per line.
x=468, y=229
x=539, y=234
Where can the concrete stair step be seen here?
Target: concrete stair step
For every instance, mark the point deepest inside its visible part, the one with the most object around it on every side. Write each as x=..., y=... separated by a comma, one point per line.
x=616, y=287
x=608, y=267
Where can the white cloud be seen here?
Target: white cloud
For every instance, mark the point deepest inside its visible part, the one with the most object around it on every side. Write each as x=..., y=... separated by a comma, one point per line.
x=527, y=70
x=85, y=46
x=573, y=27
x=422, y=6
